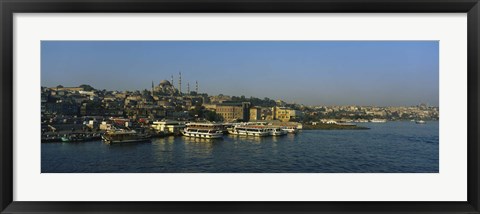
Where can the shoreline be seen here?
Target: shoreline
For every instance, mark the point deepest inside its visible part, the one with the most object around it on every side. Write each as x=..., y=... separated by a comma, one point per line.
x=333, y=127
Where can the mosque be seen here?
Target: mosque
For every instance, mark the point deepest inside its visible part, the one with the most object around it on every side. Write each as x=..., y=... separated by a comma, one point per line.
x=167, y=88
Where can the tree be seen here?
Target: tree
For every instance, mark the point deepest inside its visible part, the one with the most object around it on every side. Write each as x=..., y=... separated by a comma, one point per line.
x=59, y=86
x=86, y=87
x=145, y=92
x=196, y=112
x=212, y=116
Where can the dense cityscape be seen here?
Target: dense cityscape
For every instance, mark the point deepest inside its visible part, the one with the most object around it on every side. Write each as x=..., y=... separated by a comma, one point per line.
x=87, y=108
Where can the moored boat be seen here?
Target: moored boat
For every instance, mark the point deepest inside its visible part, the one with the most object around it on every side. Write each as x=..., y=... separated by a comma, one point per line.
x=276, y=131
x=203, y=130
x=290, y=130
x=257, y=131
x=124, y=136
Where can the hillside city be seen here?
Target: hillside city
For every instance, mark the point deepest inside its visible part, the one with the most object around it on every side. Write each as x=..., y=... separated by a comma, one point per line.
x=164, y=101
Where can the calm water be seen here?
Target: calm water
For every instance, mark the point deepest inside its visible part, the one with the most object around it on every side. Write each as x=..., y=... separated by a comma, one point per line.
x=386, y=147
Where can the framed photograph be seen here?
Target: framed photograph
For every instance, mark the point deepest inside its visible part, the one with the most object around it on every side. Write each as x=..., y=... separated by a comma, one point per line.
x=239, y=106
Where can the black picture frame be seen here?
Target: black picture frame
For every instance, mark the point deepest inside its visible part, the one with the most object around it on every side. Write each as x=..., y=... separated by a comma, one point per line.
x=9, y=7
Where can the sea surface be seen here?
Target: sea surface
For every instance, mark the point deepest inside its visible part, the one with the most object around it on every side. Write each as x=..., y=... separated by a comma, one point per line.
x=392, y=147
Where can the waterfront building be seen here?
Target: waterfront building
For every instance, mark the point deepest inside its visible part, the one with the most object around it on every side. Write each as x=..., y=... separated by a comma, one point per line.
x=169, y=126
x=105, y=126
x=255, y=113
x=285, y=114
x=234, y=111
x=281, y=113
x=211, y=107
x=119, y=121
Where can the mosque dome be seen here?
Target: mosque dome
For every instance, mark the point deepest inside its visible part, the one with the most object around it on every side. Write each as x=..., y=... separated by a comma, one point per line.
x=165, y=88
x=165, y=82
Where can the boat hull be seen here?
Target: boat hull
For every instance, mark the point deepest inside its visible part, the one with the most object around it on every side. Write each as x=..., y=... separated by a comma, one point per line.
x=203, y=135
x=291, y=131
x=278, y=133
x=127, y=141
x=253, y=134
x=110, y=140
x=203, y=130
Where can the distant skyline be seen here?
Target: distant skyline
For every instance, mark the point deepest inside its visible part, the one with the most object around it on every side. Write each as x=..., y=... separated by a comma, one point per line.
x=380, y=73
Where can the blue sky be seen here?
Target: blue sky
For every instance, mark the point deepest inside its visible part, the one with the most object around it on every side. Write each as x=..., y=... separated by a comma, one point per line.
x=382, y=73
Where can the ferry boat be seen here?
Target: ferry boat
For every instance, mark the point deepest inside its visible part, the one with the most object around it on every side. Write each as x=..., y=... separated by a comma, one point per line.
x=290, y=130
x=257, y=131
x=276, y=131
x=203, y=130
x=124, y=136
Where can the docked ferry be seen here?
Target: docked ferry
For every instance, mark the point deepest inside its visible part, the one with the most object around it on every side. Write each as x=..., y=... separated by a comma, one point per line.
x=276, y=131
x=124, y=136
x=203, y=130
x=290, y=129
x=257, y=131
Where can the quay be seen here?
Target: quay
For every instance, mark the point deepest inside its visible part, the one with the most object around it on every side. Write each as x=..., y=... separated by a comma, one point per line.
x=157, y=129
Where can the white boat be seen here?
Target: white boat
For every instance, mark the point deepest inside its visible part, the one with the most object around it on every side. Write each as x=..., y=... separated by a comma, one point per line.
x=256, y=131
x=276, y=131
x=124, y=136
x=203, y=130
x=420, y=122
x=290, y=130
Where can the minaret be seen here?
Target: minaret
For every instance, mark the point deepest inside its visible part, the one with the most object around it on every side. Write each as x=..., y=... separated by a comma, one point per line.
x=152, y=88
x=180, y=82
x=196, y=87
x=172, y=82
x=188, y=88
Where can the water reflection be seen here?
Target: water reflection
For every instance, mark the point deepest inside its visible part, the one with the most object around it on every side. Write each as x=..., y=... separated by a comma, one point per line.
x=276, y=139
x=291, y=137
x=200, y=140
x=200, y=148
x=242, y=138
